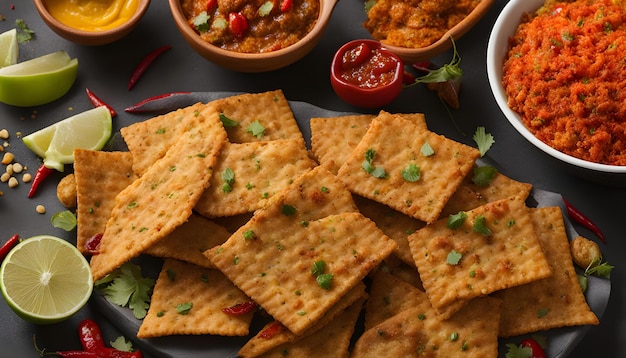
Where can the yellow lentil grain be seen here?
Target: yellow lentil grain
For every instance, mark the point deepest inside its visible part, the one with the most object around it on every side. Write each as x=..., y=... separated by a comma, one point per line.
x=5, y=177
x=17, y=168
x=13, y=182
x=9, y=169
x=8, y=158
x=27, y=177
x=40, y=209
x=4, y=133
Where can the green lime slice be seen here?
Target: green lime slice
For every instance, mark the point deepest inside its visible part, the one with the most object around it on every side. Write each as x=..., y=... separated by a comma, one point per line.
x=38, y=81
x=90, y=129
x=8, y=48
x=45, y=279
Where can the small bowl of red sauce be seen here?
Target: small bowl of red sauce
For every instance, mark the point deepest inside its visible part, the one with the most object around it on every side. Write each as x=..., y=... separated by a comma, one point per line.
x=365, y=74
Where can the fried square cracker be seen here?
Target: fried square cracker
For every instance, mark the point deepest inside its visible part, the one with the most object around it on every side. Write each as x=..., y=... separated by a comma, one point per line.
x=273, y=265
x=398, y=226
x=274, y=334
x=272, y=111
x=260, y=170
x=388, y=296
x=470, y=195
x=417, y=332
x=556, y=301
x=189, y=241
x=163, y=198
x=394, y=145
x=100, y=176
x=149, y=140
x=334, y=138
x=333, y=341
x=205, y=291
x=495, y=247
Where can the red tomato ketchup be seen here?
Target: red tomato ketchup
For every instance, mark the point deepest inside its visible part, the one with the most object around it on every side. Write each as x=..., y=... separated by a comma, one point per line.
x=365, y=74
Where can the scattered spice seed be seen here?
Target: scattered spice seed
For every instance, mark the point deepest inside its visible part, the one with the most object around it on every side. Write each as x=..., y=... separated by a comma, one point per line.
x=8, y=158
x=97, y=102
x=13, y=182
x=144, y=64
x=40, y=209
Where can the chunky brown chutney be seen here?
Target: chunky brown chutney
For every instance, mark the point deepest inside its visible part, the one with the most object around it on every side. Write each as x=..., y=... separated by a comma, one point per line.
x=252, y=26
x=415, y=23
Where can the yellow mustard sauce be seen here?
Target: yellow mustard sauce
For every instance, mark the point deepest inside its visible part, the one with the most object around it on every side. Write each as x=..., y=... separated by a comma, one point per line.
x=92, y=15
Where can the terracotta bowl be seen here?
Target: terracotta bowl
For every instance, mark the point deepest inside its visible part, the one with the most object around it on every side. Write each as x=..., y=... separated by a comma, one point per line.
x=412, y=55
x=253, y=62
x=91, y=38
x=504, y=28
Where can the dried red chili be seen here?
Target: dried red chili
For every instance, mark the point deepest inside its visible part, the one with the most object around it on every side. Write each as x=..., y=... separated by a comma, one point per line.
x=42, y=173
x=271, y=330
x=137, y=108
x=537, y=350
x=237, y=23
x=285, y=5
x=90, y=335
x=4, y=250
x=144, y=64
x=97, y=102
x=240, y=308
x=583, y=220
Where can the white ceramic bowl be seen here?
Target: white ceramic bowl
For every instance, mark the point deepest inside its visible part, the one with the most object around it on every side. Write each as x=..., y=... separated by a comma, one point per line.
x=503, y=29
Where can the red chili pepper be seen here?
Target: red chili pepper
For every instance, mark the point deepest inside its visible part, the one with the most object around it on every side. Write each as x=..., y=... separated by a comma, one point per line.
x=285, y=5
x=92, y=246
x=90, y=335
x=115, y=353
x=537, y=351
x=271, y=330
x=144, y=64
x=97, y=102
x=4, y=250
x=210, y=5
x=237, y=23
x=136, y=108
x=240, y=309
x=42, y=173
x=583, y=220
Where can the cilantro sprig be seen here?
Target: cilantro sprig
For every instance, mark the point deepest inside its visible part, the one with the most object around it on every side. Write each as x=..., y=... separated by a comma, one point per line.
x=126, y=287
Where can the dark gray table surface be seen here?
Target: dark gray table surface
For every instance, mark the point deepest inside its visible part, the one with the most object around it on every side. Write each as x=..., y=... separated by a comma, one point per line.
x=106, y=70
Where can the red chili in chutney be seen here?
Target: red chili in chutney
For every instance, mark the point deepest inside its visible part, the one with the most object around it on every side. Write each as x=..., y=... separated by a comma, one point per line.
x=368, y=68
x=252, y=26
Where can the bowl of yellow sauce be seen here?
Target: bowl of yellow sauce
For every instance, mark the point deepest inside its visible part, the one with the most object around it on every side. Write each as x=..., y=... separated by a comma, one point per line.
x=92, y=22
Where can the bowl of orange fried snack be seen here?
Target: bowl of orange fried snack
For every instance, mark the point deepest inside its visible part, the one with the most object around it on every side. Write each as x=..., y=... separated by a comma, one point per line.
x=417, y=33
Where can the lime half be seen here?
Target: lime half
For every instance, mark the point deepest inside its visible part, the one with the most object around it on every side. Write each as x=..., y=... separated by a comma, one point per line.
x=38, y=81
x=45, y=279
x=8, y=48
x=56, y=143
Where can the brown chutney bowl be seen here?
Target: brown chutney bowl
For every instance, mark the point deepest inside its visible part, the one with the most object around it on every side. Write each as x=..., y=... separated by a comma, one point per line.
x=412, y=55
x=253, y=62
x=91, y=38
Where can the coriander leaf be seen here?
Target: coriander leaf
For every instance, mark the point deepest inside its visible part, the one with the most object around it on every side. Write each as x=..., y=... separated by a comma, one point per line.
x=411, y=173
x=483, y=175
x=583, y=282
x=65, y=220
x=515, y=351
x=24, y=34
x=325, y=280
x=379, y=173
x=201, y=24
x=480, y=226
x=447, y=72
x=455, y=221
x=454, y=257
x=126, y=286
x=288, y=210
x=122, y=344
x=427, y=150
x=483, y=140
x=228, y=176
x=256, y=129
x=602, y=270
x=227, y=122
x=184, y=308
x=318, y=268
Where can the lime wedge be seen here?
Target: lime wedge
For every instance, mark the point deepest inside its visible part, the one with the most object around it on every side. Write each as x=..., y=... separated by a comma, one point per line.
x=38, y=81
x=45, y=279
x=8, y=48
x=56, y=143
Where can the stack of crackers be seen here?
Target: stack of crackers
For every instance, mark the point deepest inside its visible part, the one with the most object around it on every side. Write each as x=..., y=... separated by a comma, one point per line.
x=243, y=214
